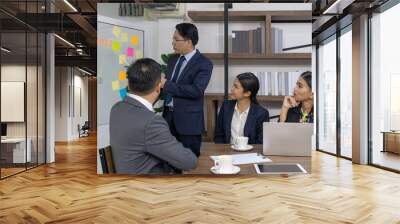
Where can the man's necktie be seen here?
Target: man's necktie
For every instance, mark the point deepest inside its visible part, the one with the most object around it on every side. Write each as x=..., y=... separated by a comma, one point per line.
x=168, y=97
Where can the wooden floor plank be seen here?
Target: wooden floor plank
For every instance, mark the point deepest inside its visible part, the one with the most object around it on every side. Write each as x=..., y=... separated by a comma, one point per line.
x=70, y=191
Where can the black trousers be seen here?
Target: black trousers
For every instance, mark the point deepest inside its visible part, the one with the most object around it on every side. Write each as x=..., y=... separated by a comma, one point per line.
x=192, y=142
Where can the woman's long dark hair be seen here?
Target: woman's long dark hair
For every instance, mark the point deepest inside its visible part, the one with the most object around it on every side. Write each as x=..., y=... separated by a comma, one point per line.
x=250, y=83
x=307, y=77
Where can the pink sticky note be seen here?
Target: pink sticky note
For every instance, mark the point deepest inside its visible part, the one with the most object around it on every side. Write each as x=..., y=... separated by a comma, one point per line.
x=130, y=52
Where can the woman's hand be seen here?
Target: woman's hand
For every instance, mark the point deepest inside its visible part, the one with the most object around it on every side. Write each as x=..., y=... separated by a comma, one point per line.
x=289, y=102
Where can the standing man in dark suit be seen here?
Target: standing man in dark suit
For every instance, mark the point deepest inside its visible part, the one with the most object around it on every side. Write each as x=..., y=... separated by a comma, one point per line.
x=187, y=77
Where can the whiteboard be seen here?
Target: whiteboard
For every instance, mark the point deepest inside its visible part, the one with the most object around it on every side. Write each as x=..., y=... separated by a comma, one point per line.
x=119, y=45
x=12, y=101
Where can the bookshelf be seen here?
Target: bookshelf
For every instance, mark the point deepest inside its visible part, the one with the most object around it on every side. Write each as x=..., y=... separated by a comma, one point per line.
x=209, y=16
x=280, y=56
x=213, y=100
x=267, y=17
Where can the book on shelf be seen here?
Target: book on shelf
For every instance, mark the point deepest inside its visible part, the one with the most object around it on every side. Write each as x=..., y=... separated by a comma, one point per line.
x=248, y=41
x=274, y=83
x=277, y=40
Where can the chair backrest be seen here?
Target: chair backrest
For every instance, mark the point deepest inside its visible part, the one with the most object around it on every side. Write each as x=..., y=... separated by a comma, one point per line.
x=86, y=125
x=106, y=160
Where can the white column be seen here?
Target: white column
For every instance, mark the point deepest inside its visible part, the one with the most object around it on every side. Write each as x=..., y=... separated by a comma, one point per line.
x=360, y=90
x=50, y=94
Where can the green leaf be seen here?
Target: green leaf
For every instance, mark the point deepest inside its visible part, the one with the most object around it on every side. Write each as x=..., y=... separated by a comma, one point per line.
x=165, y=58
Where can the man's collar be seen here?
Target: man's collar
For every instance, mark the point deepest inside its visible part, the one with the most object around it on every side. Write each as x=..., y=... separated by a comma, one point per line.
x=189, y=55
x=142, y=100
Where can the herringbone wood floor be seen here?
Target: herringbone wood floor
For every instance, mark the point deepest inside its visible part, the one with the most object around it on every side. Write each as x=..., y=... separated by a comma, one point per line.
x=70, y=191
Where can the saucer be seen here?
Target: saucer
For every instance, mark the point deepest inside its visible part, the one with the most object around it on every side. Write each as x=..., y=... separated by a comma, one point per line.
x=235, y=170
x=247, y=148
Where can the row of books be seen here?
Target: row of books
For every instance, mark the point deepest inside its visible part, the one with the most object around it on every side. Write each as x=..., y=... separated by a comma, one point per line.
x=250, y=41
x=277, y=40
x=277, y=83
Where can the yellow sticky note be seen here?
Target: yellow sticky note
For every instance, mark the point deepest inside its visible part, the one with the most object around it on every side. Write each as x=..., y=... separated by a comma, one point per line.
x=139, y=54
x=116, y=46
x=122, y=75
x=135, y=40
x=124, y=37
x=122, y=59
x=116, y=31
x=115, y=85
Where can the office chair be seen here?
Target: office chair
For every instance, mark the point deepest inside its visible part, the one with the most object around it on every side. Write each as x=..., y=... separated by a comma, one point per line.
x=107, y=163
x=84, y=130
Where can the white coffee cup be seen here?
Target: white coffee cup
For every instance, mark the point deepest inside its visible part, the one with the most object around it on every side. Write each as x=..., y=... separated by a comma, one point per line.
x=224, y=163
x=241, y=142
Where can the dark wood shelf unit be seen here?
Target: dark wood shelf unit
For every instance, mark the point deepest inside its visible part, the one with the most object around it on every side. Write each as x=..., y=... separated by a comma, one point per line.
x=281, y=56
x=276, y=16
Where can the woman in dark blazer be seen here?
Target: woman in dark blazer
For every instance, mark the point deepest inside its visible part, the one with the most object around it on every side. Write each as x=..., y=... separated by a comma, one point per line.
x=299, y=108
x=241, y=116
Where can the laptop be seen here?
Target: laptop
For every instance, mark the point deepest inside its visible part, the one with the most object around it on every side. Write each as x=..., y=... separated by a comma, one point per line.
x=287, y=139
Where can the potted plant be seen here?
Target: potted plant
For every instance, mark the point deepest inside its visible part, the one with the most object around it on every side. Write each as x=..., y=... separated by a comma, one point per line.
x=158, y=107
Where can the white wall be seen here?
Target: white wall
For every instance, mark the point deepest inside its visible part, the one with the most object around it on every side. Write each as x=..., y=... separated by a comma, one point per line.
x=68, y=81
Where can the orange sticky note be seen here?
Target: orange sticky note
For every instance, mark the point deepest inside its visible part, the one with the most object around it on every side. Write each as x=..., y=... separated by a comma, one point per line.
x=135, y=40
x=122, y=75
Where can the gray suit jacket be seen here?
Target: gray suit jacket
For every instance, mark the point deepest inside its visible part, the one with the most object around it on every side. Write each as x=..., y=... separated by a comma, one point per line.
x=142, y=143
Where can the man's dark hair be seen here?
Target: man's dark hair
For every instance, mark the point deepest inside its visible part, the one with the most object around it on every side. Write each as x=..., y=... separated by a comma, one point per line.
x=143, y=76
x=188, y=31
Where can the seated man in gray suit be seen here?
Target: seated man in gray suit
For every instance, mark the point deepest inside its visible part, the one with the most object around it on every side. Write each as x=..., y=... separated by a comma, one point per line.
x=140, y=140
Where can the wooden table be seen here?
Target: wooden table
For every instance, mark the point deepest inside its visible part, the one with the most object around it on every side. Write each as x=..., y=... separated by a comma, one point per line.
x=211, y=149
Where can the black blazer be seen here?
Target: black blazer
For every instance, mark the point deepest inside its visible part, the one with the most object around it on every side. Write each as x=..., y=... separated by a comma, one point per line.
x=188, y=93
x=252, y=129
x=294, y=115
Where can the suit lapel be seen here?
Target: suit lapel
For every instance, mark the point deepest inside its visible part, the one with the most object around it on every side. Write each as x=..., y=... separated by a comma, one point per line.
x=171, y=66
x=249, y=121
x=189, y=65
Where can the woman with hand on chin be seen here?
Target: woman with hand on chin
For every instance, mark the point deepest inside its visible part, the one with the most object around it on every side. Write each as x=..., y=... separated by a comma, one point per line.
x=241, y=116
x=299, y=107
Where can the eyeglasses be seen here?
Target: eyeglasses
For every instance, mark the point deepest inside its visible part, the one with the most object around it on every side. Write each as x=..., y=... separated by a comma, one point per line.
x=176, y=40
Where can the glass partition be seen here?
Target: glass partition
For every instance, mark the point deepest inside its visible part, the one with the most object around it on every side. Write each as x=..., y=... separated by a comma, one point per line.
x=327, y=96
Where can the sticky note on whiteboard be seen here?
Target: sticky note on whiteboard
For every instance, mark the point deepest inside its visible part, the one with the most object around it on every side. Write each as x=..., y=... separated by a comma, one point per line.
x=130, y=52
x=115, y=85
x=135, y=40
x=122, y=59
x=124, y=37
x=122, y=93
x=116, y=46
x=116, y=31
x=139, y=54
x=122, y=75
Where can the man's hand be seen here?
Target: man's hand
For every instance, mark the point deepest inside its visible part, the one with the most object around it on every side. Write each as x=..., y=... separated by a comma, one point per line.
x=163, y=80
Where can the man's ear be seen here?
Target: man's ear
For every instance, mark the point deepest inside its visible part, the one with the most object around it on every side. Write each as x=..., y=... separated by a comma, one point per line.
x=158, y=87
x=247, y=94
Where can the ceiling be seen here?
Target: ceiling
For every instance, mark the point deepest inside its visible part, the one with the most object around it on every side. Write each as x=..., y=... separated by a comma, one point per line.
x=75, y=23
x=332, y=15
